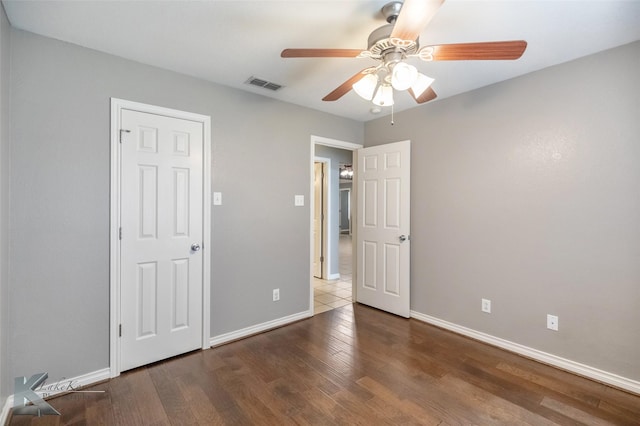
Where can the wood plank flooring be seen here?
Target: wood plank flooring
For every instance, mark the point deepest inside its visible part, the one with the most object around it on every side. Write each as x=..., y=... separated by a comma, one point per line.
x=350, y=366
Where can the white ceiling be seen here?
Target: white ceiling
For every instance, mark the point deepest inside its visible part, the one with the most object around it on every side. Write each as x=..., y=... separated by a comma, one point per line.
x=226, y=42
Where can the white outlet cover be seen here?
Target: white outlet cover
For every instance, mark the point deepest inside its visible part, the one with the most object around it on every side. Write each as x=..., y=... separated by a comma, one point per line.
x=298, y=200
x=486, y=306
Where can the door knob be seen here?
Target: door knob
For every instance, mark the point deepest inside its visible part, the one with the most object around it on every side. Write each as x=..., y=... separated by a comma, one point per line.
x=195, y=247
x=402, y=238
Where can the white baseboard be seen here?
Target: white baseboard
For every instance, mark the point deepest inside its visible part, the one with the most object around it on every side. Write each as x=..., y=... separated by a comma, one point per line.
x=546, y=358
x=4, y=415
x=76, y=382
x=259, y=328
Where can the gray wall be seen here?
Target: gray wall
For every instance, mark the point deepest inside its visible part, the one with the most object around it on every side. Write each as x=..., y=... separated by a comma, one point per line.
x=4, y=196
x=337, y=156
x=528, y=193
x=59, y=274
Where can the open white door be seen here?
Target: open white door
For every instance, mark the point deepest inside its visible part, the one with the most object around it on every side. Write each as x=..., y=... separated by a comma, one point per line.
x=318, y=177
x=383, y=227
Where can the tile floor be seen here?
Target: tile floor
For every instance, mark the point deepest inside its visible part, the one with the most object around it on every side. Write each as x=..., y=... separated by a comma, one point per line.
x=331, y=294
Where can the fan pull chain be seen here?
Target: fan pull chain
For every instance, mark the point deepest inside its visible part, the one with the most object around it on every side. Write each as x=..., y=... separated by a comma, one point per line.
x=392, y=123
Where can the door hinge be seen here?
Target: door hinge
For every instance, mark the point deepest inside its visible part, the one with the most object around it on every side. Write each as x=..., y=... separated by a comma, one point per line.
x=120, y=233
x=120, y=330
x=123, y=131
x=321, y=258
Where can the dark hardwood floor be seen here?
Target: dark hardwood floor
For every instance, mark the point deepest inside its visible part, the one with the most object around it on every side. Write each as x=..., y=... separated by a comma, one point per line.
x=353, y=365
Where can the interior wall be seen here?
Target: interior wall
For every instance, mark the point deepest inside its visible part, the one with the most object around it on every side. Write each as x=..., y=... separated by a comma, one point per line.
x=59, y=276
x=337, y=156
x=527, y=193
x=5, y=389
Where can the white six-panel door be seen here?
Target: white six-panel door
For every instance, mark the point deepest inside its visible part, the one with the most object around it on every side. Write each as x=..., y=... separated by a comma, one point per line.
x=383, y=249
x=162, y=232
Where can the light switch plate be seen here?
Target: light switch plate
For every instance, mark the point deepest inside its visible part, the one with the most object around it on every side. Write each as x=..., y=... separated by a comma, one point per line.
x=298, y=201
x=217, y=198
x=552, y=322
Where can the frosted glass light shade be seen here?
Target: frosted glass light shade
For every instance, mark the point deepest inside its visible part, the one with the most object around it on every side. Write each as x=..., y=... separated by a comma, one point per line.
x=421, y=84
x=366, y=86
x=384, y=96
x=403, y=76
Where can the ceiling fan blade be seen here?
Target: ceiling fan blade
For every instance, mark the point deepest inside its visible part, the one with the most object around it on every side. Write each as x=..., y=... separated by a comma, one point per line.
x=492, y=50
x=320, y=53
x=426, y=96
x=345, y=87
x=414, y=17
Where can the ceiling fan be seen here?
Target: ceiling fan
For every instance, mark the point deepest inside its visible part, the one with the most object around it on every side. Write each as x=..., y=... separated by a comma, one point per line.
x=397, y=41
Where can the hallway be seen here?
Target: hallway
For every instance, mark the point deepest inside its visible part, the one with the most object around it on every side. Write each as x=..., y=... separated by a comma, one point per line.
x=331, y=294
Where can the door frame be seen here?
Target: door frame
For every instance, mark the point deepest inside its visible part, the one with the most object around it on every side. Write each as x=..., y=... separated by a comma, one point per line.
x=117, y=105
x=335, y=143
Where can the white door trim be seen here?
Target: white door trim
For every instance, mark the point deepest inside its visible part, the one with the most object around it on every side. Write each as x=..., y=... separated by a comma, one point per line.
x=335, y=143
x=114, y=250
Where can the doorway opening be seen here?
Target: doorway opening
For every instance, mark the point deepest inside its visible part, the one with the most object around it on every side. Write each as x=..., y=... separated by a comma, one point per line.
x=332, y=288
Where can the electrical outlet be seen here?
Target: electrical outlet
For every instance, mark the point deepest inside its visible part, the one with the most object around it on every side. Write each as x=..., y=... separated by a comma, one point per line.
x=552, y=322
x=486, y=306
x=276, y=294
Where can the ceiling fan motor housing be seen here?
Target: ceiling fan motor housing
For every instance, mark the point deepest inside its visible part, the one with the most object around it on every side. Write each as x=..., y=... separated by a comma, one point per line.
x=379, y=43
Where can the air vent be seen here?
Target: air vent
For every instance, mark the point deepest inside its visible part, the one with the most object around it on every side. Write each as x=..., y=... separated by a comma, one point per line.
x=263, y=83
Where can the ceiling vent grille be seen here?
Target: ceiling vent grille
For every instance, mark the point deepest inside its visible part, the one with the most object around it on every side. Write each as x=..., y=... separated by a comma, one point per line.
x=263, y=83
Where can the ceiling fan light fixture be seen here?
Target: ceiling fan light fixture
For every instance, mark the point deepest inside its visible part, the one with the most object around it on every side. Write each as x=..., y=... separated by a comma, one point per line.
x=403, y=76
x=421, y=84
x=394, y=43
x=384, y=96
x=365, y=88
